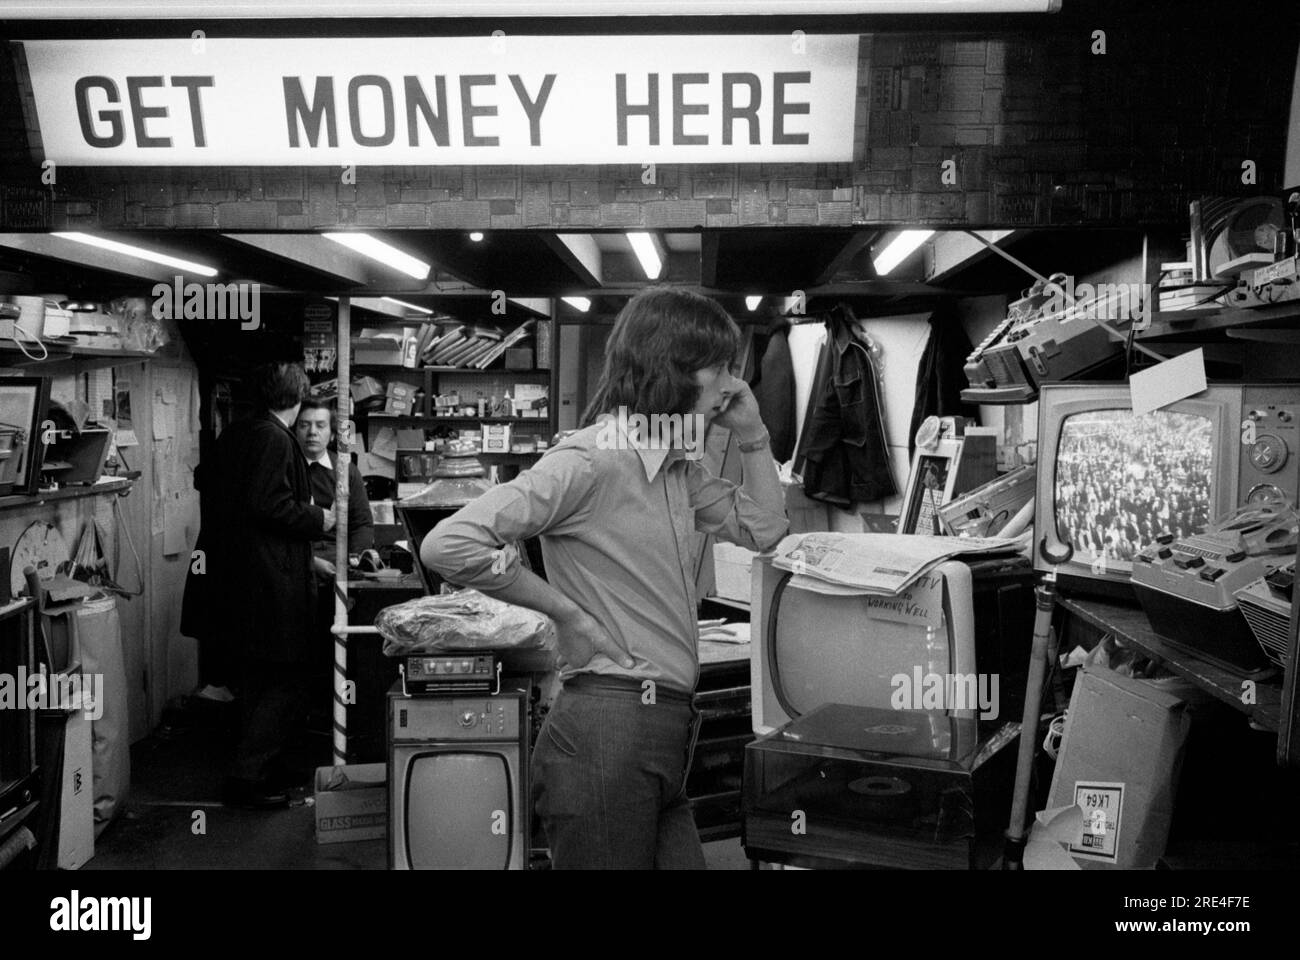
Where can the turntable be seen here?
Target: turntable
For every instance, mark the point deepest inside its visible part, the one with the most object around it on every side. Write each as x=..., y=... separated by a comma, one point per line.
x=863, y=786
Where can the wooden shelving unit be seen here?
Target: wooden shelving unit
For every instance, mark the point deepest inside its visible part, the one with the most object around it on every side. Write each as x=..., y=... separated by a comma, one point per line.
x=1193, y=326
x=114, y=485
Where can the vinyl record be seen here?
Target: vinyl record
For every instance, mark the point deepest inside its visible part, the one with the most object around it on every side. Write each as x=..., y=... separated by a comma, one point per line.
x=883, y=798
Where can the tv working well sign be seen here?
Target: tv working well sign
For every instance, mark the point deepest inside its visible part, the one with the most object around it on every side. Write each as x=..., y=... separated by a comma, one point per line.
x=446, y=100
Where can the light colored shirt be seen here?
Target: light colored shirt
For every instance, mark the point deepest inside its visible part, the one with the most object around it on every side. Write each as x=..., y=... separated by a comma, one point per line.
x=618, y=532
x=324, y=460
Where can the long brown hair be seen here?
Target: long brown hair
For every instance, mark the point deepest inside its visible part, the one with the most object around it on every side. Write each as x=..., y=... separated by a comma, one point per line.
x=660, y=338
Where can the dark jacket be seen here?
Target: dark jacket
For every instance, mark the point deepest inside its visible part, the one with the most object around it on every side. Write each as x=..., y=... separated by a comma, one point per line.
x=263, y=543
x=361, y=522
x=774, y=391
x=941, y=373
x=845, y=450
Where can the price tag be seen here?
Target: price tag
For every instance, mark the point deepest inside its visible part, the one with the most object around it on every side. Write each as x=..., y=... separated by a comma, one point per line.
x=1101, y=804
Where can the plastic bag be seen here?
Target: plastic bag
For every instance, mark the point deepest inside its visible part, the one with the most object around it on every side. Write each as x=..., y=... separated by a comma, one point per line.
x=464, y=620
x=141, y=330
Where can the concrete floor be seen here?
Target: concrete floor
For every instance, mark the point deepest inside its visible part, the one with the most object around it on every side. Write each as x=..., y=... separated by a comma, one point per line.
x=176, y=775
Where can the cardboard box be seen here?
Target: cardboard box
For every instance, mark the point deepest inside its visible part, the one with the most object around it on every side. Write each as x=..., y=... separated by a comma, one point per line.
x=1119, y=761
x=399, y=405
x=400, y=389
x=496, y=438
x=365, y=388
x=381, y=351
x=351, y=802
x=76, y=803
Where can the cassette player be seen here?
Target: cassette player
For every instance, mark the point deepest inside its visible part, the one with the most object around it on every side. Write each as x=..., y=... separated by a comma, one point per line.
x=1188, y=587
x=434, y=674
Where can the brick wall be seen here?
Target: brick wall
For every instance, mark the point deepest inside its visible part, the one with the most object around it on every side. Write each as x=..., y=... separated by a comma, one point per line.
x=1038, y=129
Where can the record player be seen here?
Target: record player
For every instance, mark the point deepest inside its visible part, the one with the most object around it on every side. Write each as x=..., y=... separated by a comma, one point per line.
x=1188, y=586
x=864, y=786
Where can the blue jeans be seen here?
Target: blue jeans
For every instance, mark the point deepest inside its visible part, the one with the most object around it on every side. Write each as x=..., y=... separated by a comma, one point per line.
x=609, y=778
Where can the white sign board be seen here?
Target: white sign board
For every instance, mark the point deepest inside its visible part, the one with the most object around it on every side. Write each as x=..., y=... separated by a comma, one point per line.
x=508, y=100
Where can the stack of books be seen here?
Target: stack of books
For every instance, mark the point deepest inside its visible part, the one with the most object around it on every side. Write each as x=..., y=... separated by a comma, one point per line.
x=1179, y=292
x=470, y=346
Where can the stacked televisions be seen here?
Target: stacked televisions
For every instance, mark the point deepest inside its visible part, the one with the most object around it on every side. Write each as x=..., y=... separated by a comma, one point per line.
x=1117, y=490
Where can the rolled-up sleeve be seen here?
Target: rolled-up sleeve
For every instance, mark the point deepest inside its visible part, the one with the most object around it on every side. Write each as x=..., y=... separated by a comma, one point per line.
x=724, y=509
x=468, y=548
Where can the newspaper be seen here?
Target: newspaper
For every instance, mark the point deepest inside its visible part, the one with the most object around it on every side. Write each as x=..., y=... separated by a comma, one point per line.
x=879, y=563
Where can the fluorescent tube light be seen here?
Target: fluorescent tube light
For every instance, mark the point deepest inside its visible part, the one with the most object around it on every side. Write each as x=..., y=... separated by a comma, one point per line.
x=127, y=250
x=647, y=251
x=385, y=253
x=409, y=306
x=751, y=303
x=477, y=236
x=578, y=303
x=899, y=249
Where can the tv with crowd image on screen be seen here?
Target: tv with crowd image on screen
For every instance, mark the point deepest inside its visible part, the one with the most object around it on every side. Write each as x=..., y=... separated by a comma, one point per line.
x=1111, y=482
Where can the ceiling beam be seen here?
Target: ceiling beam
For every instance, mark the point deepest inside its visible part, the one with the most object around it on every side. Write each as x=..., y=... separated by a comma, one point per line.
x=857, y=243
x=580, y=254
x=309, y=250
x=81, y=255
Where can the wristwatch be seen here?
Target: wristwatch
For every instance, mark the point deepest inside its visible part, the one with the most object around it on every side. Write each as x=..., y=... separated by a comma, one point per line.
x=753, y=445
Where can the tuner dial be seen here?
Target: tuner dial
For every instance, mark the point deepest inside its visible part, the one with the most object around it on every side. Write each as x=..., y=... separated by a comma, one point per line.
x=468, y=718
x=1264, y=492
x=1268, y=453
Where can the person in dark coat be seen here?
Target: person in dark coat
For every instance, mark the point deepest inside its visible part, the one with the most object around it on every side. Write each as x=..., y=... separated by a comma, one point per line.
x=265, y=572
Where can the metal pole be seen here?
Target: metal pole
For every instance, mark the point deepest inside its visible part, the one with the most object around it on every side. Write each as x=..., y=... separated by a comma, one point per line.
x=1042, y=653
x=342, y=465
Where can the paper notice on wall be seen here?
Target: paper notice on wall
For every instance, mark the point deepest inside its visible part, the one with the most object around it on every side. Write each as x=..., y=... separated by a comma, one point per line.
x=164, y=415
x=157, y=524
x=125, y=435
x=1176, y=379
x=174, y=514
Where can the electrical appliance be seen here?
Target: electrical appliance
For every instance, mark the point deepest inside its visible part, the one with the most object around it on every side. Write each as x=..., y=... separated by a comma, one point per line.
x=1187, y=585
x=428, y=674
x=951, y=457
x=961, y=618
x=1266, y=605
x=1110, y=482
x=1044, y=338
x=459, y=797
x=987, y=509
x=887, y=788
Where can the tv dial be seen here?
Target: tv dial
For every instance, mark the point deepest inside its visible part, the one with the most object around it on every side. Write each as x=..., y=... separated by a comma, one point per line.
x=468, y=718
x=1268, y=453
x=1262, y=492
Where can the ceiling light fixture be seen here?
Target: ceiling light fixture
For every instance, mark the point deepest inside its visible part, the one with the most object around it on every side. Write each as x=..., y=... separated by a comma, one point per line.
x=752, y=303
x=647, y=251
x=578, y=303
x=128, y=250
x=477, y=236
x=899, y=249
x=409, y=306
x=385, y=253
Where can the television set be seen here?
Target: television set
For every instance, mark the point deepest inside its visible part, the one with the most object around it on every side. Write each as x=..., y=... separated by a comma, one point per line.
x=1111, y=483
x=969, y=621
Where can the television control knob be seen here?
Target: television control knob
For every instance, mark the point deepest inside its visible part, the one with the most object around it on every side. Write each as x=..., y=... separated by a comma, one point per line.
x=468, y=718
x=1284, y=416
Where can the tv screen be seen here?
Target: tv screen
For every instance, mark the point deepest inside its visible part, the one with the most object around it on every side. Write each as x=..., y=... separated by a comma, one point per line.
x=451, y=801
x=1122, y=480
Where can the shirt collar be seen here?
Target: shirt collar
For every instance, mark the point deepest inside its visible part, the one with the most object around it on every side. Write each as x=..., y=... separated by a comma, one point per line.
x=652, y=459
x=324, y=460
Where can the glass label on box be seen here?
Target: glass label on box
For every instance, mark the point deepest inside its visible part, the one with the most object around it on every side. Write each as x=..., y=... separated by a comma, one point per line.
x=1101, y=803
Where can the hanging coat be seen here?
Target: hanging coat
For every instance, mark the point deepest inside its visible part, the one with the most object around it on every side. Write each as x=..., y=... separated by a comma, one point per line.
x=845, y=449
x=941, y=374
x=774, y=391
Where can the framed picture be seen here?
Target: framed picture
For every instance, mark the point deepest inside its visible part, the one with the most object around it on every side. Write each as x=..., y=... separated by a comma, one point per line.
x=23, y=402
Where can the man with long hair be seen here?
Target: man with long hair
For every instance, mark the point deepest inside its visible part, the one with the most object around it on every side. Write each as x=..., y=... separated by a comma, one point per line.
x=618, y=509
